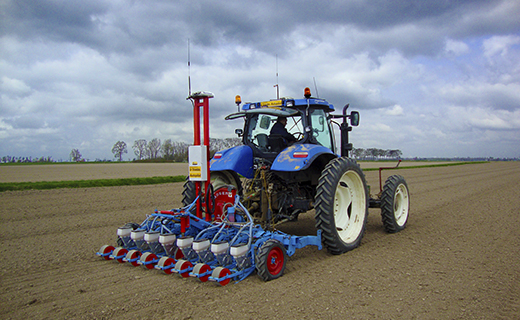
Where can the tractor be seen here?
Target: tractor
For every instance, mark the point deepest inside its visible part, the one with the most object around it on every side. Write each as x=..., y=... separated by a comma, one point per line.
x=286, y=165
x=279, y=177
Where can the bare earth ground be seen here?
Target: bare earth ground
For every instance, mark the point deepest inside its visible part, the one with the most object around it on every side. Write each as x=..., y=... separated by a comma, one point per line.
x=457, y=259
x=90, y=171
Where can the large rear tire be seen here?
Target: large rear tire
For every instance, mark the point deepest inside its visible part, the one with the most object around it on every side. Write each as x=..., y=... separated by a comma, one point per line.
x=341, y=205
x=218, y=179
x=395, y=204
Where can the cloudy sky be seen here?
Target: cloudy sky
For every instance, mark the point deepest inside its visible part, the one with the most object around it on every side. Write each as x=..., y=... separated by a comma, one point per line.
x=432, y=78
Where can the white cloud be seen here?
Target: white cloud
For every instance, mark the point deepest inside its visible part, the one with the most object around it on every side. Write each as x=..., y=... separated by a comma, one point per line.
x=396, y=110
x=14, y=87
x=499, y=45
x=456, y=48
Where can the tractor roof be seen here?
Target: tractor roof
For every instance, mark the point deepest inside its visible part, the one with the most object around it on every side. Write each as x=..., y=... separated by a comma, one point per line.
x=289, y=102
x=284, y=107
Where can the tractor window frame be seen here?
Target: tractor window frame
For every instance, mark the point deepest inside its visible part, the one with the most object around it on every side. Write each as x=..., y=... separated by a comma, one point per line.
x=322, y=131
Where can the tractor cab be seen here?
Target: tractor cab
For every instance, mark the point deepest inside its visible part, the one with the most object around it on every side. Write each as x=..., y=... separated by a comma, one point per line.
x=272, y=126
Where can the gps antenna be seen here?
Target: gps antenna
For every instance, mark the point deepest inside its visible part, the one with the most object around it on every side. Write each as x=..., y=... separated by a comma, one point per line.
x=189, y=70
x=276, y=85
x=316, y=87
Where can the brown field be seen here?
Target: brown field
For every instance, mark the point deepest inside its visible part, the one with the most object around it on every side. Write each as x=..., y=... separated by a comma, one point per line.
x=458, y=258
x=90, y=171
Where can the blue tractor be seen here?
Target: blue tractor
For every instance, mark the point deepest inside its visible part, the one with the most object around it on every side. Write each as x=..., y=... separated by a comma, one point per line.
x=288, y=164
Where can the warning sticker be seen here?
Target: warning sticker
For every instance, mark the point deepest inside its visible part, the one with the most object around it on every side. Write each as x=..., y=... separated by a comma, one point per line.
x=195, y=172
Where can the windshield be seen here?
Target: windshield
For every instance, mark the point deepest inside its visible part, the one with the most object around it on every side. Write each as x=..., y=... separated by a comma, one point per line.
x=260, y=125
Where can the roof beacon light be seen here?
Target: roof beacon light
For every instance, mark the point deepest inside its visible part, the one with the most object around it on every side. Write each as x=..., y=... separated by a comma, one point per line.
x=307, y=93
x=238, y=101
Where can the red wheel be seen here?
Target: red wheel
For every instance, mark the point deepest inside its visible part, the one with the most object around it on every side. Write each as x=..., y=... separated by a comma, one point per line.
x=220, y=272
x=120, y=252
x=201, y=268
x=183, y=267
x=133, y=255
x=105, y=251
x=166, y=264
x=146, y=260
x=270, y=260
x=275, y=261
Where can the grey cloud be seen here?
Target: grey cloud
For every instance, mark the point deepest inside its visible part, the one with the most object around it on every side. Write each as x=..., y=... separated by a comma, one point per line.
x=100, y=69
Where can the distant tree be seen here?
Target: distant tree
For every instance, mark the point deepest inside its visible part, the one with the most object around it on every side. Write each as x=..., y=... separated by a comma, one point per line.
x=394, y=154
x=357, y=152
x=373, y=152
x=154, y=146
x=118, y=149
x=180, y=152
x=139, y=148
x=167, y=149
x=75, y=155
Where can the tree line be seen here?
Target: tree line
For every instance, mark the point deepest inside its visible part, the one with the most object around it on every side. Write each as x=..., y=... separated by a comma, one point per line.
x=11, y=159
x=375, y=154
x=168, y=150
x=178, y=151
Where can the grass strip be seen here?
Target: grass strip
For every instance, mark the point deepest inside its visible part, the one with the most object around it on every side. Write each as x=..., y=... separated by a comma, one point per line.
x=42, y=185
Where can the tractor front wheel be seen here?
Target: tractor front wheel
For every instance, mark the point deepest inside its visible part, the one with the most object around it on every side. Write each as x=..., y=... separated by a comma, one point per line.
x=341, y=205
x=395, y=204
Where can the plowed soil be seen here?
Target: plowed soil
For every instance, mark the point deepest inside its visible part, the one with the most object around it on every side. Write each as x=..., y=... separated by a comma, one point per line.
x=458, y=258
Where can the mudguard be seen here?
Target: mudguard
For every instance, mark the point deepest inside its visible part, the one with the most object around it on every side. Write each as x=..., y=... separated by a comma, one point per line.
x=238, y=159
x=299, y=157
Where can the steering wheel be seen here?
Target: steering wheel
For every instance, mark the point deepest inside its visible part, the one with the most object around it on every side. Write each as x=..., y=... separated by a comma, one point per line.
x=297, y=135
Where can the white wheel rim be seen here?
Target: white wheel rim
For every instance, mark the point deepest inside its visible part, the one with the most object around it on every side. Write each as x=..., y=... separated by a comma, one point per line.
x=349, y=206
x=401, y=204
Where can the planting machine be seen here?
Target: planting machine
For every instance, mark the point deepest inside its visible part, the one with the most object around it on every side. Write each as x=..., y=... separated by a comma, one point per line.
x=287, y=165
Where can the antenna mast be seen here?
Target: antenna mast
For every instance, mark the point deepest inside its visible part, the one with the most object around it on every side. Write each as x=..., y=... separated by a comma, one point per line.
x=316, y=87
x=276, y=85
x=189, y=70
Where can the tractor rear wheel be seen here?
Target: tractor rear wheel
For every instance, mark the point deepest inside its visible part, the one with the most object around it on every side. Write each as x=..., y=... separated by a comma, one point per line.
x=218, y=179
x=395, y=204
x=270, y=260
x=341, y=205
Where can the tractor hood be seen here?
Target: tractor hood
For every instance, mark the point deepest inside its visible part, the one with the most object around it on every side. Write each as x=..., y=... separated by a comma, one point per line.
x=238, y=159
x=299, y=157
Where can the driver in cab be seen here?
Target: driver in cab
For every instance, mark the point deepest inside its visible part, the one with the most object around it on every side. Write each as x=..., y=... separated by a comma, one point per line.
x=279, y=129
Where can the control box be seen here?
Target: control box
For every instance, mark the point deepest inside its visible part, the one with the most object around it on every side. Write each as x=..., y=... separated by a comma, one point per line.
x=198, y=163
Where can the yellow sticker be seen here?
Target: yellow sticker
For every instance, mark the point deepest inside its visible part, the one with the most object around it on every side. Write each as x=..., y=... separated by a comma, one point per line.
x=195, y=172
x=271, y=103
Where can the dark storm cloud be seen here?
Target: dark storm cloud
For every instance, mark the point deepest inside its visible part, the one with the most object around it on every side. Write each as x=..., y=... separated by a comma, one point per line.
x=57, y=20
x=131, y=25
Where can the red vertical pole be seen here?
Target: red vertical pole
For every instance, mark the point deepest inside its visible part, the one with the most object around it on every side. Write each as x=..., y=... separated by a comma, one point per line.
x=196, y=142
x=206, y=143
x=201, y=99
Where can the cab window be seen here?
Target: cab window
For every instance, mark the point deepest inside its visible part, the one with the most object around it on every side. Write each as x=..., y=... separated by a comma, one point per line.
x=320, y=128
x=260, y=125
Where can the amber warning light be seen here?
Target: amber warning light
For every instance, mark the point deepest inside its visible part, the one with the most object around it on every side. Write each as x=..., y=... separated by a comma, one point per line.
x=307, y=93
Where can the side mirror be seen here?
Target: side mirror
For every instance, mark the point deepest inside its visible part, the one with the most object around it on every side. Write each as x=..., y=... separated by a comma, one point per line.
x=354, y=118
x=239, y=132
